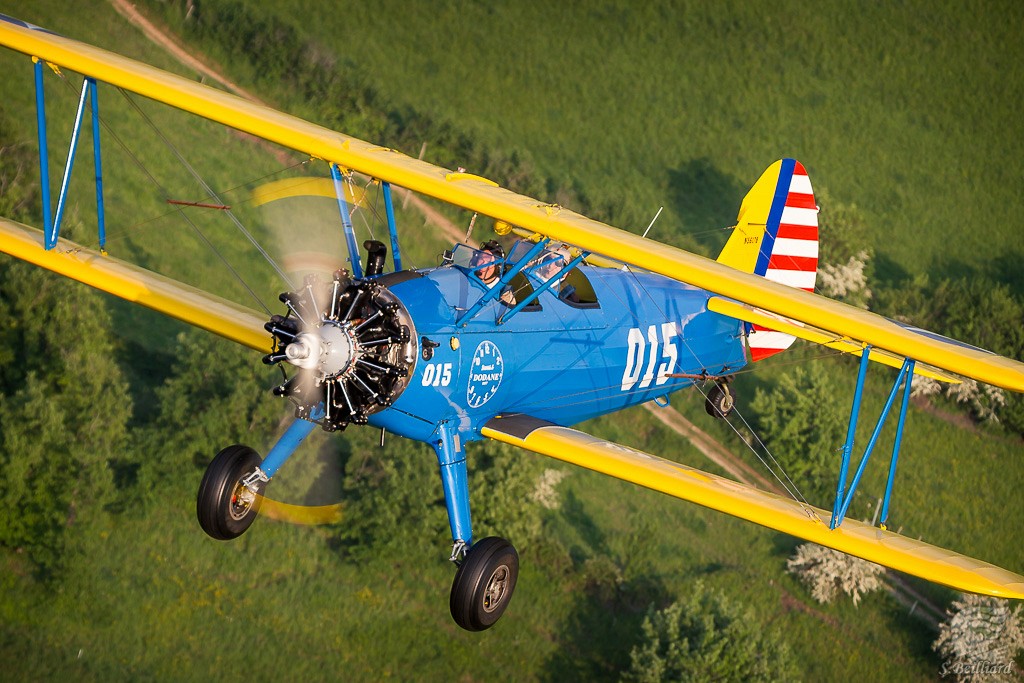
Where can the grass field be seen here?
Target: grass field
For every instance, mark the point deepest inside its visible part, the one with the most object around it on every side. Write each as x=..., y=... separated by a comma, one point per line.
x=899, y=110
x=908, y=111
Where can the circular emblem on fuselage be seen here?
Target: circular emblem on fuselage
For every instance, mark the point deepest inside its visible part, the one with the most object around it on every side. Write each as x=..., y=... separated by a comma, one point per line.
x=485, y=374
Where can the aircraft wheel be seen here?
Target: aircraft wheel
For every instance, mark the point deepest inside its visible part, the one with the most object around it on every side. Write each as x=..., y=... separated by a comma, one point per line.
x=720, y=401
x=225, y=508
x=484, y=583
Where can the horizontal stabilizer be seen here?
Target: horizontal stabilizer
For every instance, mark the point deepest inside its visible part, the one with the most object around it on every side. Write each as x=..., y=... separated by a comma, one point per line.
x=775, y=512
x=137, y=285
x=824, y=338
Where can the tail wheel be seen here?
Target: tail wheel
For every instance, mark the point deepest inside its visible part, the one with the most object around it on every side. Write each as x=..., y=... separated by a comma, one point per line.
x=484, y=584
x=226, y=507
x=720, y=401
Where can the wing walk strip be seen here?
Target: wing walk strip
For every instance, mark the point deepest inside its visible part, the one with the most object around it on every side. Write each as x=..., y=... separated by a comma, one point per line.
x=775, y=512
x=481, y=196
x=137, y=285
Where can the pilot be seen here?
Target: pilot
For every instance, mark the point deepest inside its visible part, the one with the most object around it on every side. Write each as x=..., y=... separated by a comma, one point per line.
x=487, y=262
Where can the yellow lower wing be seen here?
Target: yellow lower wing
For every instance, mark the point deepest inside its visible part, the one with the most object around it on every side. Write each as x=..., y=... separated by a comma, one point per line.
x=138, y=285
x=775, y=512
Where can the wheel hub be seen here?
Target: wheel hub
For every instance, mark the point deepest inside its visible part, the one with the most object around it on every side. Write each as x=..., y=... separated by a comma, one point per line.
x=495, y=590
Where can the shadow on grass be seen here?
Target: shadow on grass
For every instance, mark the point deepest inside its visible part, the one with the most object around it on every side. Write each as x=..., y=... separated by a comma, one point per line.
x=595, y=642
x=707, y=200
x=614, y=591
x=1006, y=268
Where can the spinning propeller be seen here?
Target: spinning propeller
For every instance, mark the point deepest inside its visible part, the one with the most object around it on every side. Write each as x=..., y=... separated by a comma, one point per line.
x=345, y=342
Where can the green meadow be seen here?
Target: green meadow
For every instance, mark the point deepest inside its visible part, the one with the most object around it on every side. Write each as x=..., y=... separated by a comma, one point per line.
x=909, y=112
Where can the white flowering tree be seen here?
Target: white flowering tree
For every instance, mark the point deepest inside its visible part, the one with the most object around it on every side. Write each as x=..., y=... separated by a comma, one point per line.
x=847, y=281
x=981, y=638
x=827, y=572
x=844, y=266
x=545, y=491
x=984, y=400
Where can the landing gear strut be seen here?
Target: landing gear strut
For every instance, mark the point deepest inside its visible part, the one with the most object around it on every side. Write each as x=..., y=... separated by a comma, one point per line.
x=226, y=506
x=488, y=569
x=484, y=584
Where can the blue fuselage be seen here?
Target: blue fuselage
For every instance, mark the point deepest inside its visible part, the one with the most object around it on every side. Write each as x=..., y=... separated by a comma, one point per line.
x=564, y=363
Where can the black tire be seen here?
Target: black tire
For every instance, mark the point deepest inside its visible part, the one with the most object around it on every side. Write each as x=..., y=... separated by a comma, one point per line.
x=484, y=584
x=221, y=513
x=720, y=401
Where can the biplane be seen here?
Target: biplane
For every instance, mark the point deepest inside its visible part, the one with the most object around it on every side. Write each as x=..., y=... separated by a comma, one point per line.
x=517, y=341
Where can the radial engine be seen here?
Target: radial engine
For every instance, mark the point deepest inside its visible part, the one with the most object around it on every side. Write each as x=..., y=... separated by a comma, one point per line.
x=350, y=344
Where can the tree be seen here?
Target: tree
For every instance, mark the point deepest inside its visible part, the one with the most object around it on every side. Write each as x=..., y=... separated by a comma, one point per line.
x=828, y=572
x=394, y=494
x=982, y=636
x=801, y=420
x=972, y=309
x=845, y=267
x=505, y=484
x=64, y=411
x=846, y=281
x=707, y=637
x=217, y=395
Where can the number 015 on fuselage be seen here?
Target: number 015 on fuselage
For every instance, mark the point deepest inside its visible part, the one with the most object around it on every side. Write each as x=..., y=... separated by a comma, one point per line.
x=561, y=360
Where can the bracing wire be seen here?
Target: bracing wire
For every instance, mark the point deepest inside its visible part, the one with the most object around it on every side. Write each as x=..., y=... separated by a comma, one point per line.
x=206, y=188
x=790, y=488
x=111, y=237
x=138, y=163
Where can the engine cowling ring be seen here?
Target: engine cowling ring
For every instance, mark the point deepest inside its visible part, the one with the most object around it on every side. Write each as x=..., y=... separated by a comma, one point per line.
x=351, y=345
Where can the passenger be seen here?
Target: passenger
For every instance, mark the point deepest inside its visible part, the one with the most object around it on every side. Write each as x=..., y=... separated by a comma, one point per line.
x=550, y=267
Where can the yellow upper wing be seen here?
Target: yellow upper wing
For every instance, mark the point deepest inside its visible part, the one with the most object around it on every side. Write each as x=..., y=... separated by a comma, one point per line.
x=769, y=510
x=480, y=195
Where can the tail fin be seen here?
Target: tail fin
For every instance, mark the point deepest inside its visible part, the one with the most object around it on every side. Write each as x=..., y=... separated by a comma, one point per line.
x=776, y=237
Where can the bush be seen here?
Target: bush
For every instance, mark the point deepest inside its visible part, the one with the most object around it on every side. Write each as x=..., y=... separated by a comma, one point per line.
x=802, y=421
x=64, y=412
x=707, y=637
x=981, y=637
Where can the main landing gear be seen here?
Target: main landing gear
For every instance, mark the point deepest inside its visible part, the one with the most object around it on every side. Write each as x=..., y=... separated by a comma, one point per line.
x=484, y=583
x=488, y=569
x=720, y=401
x=230, y=493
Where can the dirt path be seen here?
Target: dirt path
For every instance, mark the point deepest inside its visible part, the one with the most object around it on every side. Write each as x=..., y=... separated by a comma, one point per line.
x=164, y=40
x=712, y=449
